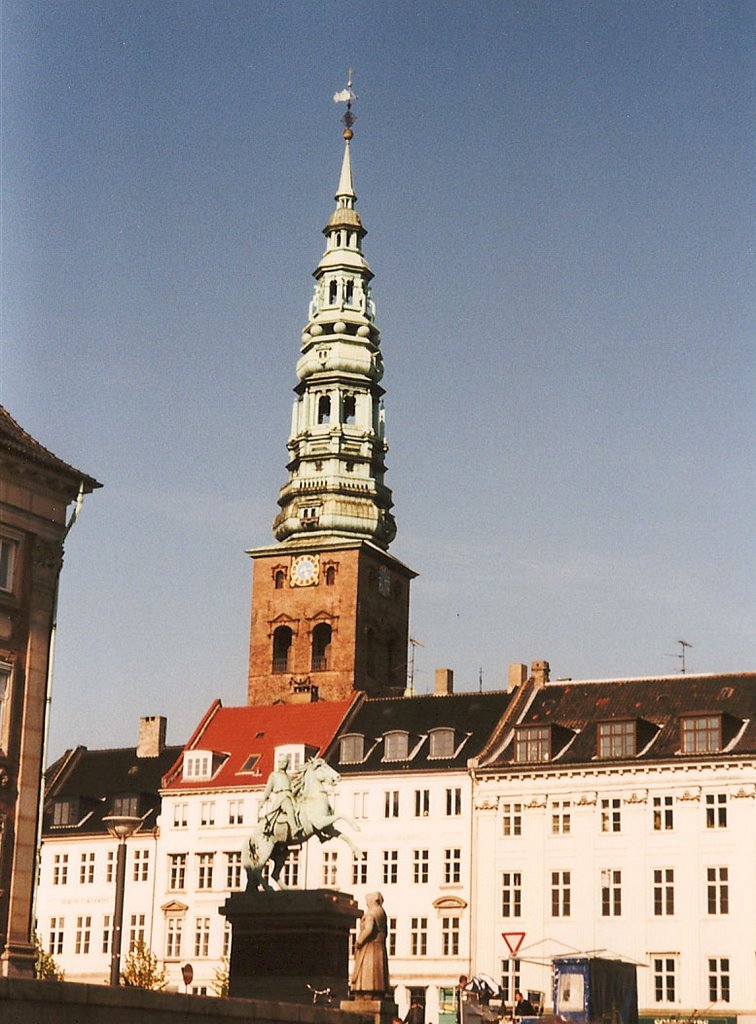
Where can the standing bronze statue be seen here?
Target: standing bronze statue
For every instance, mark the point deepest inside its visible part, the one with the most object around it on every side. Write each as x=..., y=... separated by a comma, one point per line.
x=371, y=971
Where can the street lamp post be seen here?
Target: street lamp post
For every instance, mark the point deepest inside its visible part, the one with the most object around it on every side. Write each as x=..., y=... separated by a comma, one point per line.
x=121, y=827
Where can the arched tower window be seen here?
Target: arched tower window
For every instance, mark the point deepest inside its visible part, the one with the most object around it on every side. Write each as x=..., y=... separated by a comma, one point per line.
x=282, y=638
x=332, y=291
x=330, y=576
x=349, y=291
x=279, y=579
x=324, y=409
x=321, y=645
x=350, y=408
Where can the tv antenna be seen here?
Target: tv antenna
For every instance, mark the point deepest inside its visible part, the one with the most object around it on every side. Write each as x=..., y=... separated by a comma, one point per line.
x=414, y=644
x=681, y=656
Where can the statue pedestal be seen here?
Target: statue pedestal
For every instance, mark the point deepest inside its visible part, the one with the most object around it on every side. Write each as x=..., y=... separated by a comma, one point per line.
x=284, y=941
x=382, y=1010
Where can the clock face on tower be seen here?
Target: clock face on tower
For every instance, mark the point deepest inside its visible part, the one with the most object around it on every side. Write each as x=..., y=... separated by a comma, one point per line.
x=305, y=570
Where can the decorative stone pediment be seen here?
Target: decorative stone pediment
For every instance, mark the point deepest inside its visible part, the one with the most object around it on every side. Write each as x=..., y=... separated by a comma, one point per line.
x=174, y=907
x=449, y=903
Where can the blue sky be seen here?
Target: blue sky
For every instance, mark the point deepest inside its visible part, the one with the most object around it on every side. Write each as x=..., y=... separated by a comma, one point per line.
x=559, y=208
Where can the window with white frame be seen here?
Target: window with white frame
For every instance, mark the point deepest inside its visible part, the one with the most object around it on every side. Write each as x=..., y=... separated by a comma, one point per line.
x=511, y=819
x=719, y=979
x=141, y=863
x=65, y=812
x=56, y=935
x=561, y=817
x=330, y=867
x=391, y=936
x=561, y=893
x=418, y=936
x=716, y=810
x=177, y=871
x=454, y=802
x=663, y=813
x=450, y=935
x=233, y=870
x=396, y=746
x=83, y=935
x=718, y=890
x=422, y=803
x=352, y=749
x=202, y=936
x=174, y=925
x=611, y=892
x=297, y=754
x=390, y=867
x=136, y=930
x=391, y=803
x=226, y=950
x=360, y=805
x=8, y=550
x=60, y=869
x=441, y=743
x=236, y=812
x=360, y=868
x=511, y=894
x=664, y=970
x=205, y=870
x=106, y=933
x=452, y=865
x=198, y=765
x=207, y=812
x=290, y=872
x=127, y=804
x=110, y=867
x=611, y=814
x=510, y=979
x=87, y=869
x=180, y=815
x=664, y=892
x=420, y=866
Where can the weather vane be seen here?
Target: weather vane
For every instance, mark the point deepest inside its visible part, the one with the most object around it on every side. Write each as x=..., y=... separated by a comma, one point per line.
x=346, y=96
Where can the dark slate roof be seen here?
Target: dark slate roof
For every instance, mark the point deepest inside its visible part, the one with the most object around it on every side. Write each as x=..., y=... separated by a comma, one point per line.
x=473, y=716
x=256, y=730
x=14, y=440
x=94, y=777
x=657, y=706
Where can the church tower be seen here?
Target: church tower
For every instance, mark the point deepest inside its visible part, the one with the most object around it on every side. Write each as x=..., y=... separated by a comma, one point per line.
x=330, y=605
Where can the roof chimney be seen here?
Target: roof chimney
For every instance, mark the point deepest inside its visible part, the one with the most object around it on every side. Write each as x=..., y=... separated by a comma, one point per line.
x=539, y=670
x=444, y=681
x=518, y=673
x=151, y=736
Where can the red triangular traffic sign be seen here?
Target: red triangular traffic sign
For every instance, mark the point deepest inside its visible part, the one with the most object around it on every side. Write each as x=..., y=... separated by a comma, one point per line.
x=513, y=940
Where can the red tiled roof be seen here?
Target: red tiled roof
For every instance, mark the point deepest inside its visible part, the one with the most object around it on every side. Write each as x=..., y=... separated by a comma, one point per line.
x=235, y=733
x=14, y=440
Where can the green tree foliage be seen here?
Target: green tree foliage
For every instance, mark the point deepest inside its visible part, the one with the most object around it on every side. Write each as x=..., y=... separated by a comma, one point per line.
x=45, y=966
x=221, y=978
x=142, y=969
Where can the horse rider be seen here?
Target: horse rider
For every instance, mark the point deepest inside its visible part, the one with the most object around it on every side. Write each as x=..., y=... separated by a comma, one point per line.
x=283, y=805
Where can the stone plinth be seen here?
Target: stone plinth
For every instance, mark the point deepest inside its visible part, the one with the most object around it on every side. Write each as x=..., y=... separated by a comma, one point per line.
x=284, y=941
x=380, y=1010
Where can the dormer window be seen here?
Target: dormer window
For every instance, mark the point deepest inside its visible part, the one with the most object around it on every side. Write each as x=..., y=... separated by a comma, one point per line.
x=198, y=764
x=125, y=806
x=352, y=749
x=295, y=753
x=617, y=739
x=441, y=743
x=65, y=812
x=533, y=743
x=701, y=734
x=396, y=746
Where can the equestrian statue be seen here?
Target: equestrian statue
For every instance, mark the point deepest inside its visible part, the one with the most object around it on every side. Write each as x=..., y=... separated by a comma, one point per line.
x=294, y=808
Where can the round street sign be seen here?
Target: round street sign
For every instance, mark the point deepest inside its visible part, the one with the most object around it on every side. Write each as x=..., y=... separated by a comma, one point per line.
x=187, y=973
